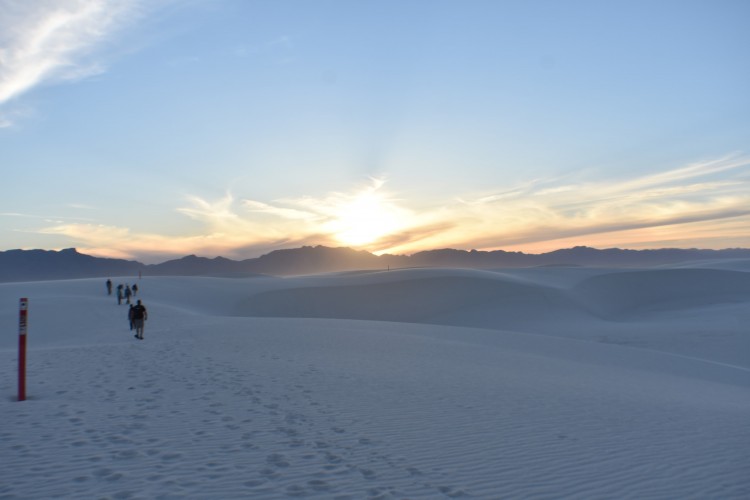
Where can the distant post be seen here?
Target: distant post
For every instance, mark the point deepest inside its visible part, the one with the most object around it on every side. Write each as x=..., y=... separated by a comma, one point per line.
x=22, y=325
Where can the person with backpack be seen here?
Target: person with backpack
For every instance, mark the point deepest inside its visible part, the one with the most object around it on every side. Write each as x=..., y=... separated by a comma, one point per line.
x=140, y=315
x=130, y=317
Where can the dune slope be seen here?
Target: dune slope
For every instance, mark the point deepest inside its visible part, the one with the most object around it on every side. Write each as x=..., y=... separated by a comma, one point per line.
x=217, y=405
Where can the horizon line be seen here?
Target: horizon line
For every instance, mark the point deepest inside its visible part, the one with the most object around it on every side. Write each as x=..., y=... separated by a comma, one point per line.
x=473, y=250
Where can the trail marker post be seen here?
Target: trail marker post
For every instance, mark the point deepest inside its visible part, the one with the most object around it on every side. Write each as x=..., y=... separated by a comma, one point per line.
x=22, y=326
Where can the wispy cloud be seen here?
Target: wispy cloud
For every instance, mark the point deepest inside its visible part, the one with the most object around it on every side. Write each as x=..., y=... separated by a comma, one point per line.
x=224, y=218
x=47, y=218
x=229, y=227
x=285, y=213
x=704, y=204
x=120, y=242
x=368, y=215
x=82, y=206
x=44, y=41
x=543, y=216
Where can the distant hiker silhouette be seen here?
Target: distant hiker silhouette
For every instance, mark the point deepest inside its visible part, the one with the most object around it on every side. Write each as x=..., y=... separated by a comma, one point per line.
x=128, y=294
x=135, y=289
x=139, y=318
x=130, y=317
x=109, y=287
x=119, y=294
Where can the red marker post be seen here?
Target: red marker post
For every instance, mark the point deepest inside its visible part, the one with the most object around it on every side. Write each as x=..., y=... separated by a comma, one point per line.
x=22, y=325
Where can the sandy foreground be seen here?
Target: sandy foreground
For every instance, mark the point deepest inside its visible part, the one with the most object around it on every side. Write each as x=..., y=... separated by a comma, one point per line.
x=423, y=383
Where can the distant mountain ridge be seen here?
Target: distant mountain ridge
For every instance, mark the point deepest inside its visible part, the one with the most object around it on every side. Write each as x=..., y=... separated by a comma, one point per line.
x=36, y=265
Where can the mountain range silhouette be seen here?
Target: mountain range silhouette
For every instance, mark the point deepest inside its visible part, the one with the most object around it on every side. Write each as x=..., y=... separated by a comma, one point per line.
x=35, y=265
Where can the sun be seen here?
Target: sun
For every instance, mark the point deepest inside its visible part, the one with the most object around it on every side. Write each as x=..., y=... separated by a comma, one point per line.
x=366, y=218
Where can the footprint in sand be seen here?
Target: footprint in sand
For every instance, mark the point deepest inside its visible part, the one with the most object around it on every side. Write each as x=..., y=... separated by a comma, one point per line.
x=332, y=458
x=319, y=485
x=269, y=473
x=368, y=473
x=254, y=483
x=296, y=490
x=277, y=460
x=451, y=492
x=413, y=471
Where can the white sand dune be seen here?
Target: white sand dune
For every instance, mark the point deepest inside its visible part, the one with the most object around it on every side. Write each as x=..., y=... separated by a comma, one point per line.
x=630, y=293
x=727, y=264
x=423, y=383
x=469, y=299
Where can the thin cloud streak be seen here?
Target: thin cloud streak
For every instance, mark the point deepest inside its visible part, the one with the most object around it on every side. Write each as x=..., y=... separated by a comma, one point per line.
x=120, y=242
x=285, y=213
x=47, y=218
x=48, y=41
x=683, y=204
x=589, y=209
x=551, y=233
x=716, y=233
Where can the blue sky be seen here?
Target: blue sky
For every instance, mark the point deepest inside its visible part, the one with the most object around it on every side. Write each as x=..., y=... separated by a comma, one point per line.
x=155, y=129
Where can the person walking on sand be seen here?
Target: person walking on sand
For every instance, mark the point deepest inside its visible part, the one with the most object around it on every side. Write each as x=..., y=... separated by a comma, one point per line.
x=128, y=294
x=130, y=317
x=135, y=289
x=109, y=287
x=119, y=295
x=139, y=317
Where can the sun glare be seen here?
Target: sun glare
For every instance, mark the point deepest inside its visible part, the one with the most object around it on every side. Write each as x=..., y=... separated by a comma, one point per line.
x=365, y=219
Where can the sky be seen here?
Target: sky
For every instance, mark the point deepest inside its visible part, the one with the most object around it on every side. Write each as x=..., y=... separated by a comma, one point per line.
x=155, y=129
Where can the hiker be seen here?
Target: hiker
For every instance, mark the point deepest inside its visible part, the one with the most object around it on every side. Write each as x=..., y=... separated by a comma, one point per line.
x=128, y=294
x=130, y=317
x=109, y=287
x=139, y=317
x=119, y=295
x=135, y=289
